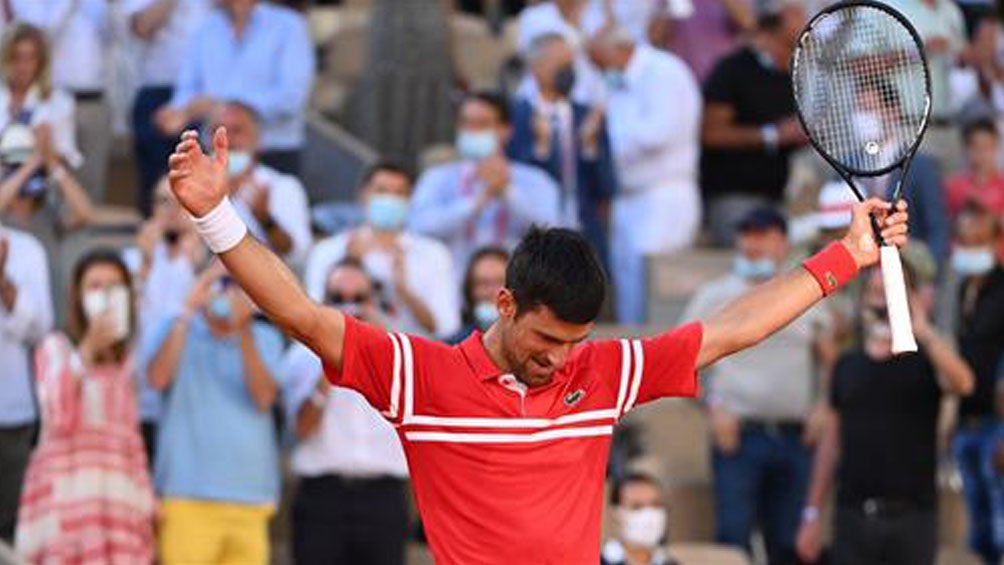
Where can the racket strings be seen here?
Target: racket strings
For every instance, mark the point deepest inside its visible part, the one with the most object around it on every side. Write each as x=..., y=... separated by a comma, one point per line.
x=861, y=87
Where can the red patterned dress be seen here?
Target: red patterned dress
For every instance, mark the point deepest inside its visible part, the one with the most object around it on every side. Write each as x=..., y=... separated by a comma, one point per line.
x=87, y=496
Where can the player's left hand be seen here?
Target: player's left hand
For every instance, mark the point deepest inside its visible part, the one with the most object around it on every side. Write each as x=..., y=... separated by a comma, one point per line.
x=860, y=239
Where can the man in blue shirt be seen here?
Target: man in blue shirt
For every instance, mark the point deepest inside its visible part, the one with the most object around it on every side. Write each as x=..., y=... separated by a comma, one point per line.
x=217, y=465
x=483, y=199
x=259, y=54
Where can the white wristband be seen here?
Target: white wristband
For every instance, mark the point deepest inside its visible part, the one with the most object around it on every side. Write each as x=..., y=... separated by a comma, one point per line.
x=222, y=229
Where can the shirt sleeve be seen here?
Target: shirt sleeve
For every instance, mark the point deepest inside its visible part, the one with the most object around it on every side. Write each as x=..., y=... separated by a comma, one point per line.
x=371, y=362
x=659, y=367
x=720, y=86
x=288, y=205
x=837, y=382
x=301, y=369
x=437, y=208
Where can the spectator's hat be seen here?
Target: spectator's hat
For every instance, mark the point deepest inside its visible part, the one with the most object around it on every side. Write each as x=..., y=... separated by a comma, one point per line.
x=761, y=219
x=17, y=142
x=836, y=205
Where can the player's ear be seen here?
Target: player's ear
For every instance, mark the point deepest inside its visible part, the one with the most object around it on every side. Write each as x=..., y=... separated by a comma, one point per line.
x=506, y=303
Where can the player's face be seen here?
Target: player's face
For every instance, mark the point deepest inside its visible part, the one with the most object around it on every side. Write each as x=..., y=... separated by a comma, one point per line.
x=536, y=343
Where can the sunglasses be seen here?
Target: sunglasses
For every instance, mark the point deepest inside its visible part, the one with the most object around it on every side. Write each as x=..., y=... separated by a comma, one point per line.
x=339, y=298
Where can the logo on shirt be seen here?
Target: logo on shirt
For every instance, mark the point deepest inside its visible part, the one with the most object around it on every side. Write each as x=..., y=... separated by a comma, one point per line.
x=572, y=398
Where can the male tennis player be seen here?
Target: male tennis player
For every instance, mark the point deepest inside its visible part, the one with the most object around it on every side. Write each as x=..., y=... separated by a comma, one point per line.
x=507, y=434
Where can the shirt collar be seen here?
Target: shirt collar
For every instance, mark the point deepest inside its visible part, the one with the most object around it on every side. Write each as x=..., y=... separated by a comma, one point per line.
x=474, y=350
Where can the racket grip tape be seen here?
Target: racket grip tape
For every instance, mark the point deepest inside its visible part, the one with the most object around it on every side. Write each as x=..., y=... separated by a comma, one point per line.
x=832, y=267
x=896, y=301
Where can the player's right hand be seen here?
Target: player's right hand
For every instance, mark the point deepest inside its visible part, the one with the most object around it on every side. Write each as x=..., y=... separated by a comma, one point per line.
x=199, y=181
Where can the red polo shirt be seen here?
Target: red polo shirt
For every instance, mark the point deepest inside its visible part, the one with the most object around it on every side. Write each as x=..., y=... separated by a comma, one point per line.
x=503, y=474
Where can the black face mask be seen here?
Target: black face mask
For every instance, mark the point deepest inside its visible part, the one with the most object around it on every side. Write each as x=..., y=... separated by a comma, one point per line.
x=564, y=80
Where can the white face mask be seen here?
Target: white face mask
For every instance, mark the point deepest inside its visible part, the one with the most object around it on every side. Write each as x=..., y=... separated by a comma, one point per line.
x=644, y=527
x=973, y=261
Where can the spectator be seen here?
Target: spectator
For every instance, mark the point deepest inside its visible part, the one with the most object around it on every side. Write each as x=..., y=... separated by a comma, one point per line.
x=219, y=366
x=922, y=186
x=567, y=18
x=881, y=442
x=403, y=103
x=483, y=198
x=980, y=335
x=750, y=128
x=983, y=180
x=484, y=278
x=271, y=203
x=567, y=139
x=711, y=31
x=78, y=31
x=656, y=147
x=162, y=30
x=87, y=495
x=163, y=263
x=942, y=28
x=25, y=316
x=415, y=273
x=351, y=503
x=259, y=54
x=761, y=404
x=640, y=519
x=28, y=98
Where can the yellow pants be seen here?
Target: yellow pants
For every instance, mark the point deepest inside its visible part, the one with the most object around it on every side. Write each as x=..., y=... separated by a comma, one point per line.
x=197, y=532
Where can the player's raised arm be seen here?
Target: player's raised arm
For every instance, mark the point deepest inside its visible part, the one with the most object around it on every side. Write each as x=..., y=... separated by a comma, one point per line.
x=766, y=308
x=199, y=182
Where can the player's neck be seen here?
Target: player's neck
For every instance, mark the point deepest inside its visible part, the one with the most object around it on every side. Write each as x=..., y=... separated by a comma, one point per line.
x=492, y=341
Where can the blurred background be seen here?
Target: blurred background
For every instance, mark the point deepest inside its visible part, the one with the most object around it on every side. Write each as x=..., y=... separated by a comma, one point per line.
x=392, y=152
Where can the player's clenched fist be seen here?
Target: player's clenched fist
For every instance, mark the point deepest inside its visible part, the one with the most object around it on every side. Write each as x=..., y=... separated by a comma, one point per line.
x=199, y=181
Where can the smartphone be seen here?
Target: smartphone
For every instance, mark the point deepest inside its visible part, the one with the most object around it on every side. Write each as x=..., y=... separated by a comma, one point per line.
x=118, y=303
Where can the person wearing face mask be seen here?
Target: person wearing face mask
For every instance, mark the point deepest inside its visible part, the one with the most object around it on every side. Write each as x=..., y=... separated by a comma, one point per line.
x=484, y=198
x=87, y=494
x=567, y=139
x=749, y=128
x=415, y=271
x=979, y=332
x=655, y=145
x=163, y=263
x=880, y=444
x=640, y=520
x=351, y=502
x=484, y=278
x=274, y=205
x=764, y=405
x=219, y=369
x=25, y=318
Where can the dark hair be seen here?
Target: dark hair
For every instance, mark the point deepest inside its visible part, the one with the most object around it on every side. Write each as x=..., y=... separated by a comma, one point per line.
x=557, y=268
x=981, y=125
x=467, y=314
x=77, y=319
x=387, y=166
x=493, y=99
x=975, y=207
x=631, y=477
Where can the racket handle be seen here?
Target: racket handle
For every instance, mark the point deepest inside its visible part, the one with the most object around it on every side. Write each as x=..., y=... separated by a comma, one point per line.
x=896, y=301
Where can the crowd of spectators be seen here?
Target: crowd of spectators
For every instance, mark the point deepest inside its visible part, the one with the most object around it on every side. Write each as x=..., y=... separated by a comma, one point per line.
x=145, y=404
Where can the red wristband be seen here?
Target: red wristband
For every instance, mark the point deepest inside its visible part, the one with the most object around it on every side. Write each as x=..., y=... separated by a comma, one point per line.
x=832, y=267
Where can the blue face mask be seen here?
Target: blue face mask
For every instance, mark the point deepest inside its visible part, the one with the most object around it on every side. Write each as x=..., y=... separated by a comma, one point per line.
x=747, y=268
x=220, y=307
x=973, y=261
x=485, y=314
x=615, y=79
x=386, y=212
x=477, y=145
x=238, y=162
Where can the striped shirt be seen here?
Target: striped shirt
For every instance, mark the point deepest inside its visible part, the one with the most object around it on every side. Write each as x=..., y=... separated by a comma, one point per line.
x=502, y=471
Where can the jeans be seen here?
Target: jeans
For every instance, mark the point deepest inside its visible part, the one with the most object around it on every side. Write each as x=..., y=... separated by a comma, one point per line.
x=152, y=148
x=907, y=538
x=15, y=449
x=762, y=484
x=973, y=448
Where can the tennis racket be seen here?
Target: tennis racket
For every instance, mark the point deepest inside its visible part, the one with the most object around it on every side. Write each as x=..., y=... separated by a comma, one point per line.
x=863, y=94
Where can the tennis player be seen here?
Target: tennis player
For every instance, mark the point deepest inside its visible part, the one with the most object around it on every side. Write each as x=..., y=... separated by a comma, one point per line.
x=507, y=434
